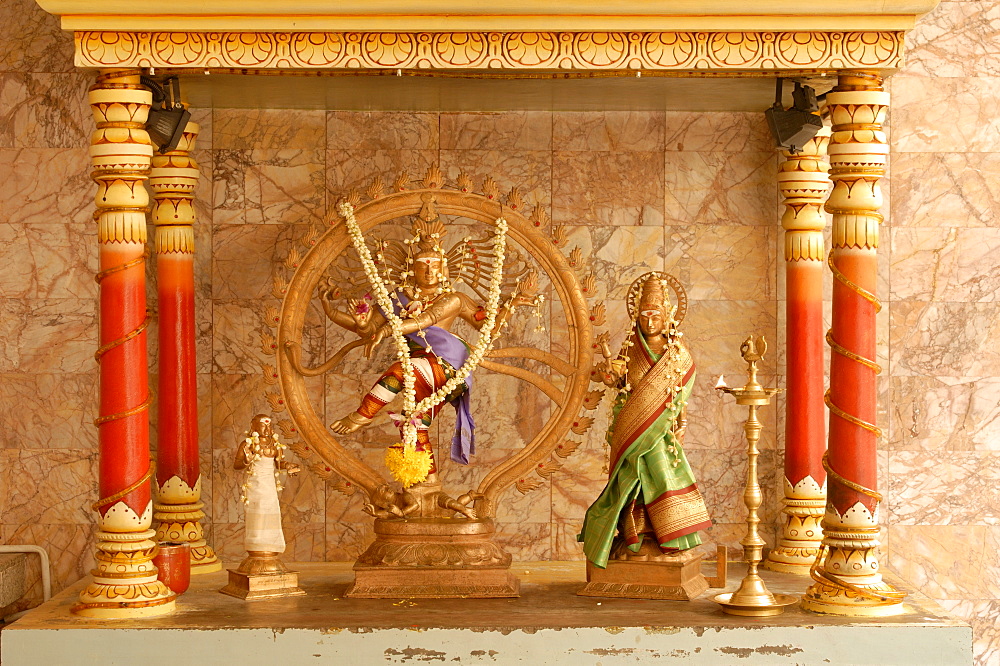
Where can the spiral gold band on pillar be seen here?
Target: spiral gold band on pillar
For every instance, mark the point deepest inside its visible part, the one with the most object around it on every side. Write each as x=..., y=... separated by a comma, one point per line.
x=125, y=583
x=846, y=578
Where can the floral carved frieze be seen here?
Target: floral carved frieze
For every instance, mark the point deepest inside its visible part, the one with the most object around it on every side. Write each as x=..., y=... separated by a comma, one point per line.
x=681, y=51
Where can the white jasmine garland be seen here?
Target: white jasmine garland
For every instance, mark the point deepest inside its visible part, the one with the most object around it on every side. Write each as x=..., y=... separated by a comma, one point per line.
x=384, y=299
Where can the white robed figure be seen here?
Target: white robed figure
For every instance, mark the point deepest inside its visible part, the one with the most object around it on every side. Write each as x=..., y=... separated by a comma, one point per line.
x=260, y=455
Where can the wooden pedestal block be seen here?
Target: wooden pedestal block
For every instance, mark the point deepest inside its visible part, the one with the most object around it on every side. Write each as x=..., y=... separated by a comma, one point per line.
x=262, y=576
x=433, y=558
x=262, y=586
x=676, y=577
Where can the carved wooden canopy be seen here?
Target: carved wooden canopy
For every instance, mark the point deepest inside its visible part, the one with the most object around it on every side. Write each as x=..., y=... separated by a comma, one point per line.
x=708, y=37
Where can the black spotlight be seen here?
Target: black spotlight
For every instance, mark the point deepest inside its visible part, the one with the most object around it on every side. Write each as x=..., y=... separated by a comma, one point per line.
x=793, y=127
x=168, y=116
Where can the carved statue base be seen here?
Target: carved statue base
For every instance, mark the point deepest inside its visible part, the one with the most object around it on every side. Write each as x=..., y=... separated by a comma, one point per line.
x=436, y=558
x=262, y=576
x=650, y=574
x=182, y=523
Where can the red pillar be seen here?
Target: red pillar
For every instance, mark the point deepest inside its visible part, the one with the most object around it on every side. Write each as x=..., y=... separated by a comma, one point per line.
x=847, y=578
x=804, y=182
x=178, y=513
x=125, y=583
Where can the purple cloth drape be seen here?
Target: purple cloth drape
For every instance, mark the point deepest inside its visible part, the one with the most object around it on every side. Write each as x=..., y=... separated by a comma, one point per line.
x=448, y=346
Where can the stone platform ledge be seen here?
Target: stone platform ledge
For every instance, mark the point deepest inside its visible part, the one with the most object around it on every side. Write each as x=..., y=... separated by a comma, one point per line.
x=548, y=624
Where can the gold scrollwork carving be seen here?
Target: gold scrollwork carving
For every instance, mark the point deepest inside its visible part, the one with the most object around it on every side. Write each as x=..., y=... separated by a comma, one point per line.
x=594, y=51
x=461, y=49
x=530, y=49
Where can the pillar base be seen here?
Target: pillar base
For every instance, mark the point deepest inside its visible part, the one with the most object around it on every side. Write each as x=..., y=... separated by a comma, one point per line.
x=832, y=600
x=801, y=533
x=841, y=585
x=125, y=583
x=181, y=523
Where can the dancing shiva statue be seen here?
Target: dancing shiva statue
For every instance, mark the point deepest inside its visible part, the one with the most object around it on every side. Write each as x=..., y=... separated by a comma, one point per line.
x=414, y=302
x=651, y=510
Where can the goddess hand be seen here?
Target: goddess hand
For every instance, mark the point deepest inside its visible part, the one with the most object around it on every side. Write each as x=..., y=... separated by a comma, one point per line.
x=360, y=311
x=376, y=338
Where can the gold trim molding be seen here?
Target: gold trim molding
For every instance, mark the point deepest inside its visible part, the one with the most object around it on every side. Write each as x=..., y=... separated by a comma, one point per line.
x=601, y=51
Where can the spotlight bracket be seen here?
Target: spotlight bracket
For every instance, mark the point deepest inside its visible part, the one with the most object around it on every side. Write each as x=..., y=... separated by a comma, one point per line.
x=168, y=115
x=793, y=127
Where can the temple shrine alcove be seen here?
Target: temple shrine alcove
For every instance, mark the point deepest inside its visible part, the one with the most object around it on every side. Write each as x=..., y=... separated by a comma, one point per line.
x=628, y=129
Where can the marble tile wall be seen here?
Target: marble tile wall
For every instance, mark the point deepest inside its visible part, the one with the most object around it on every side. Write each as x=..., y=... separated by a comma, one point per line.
x=692, y=194
x=943, y=446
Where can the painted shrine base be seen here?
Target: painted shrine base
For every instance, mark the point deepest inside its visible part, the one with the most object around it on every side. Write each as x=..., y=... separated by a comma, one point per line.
x=547, y=624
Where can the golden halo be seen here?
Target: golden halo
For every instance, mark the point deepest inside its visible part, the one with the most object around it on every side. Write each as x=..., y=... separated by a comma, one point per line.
x=681, y=299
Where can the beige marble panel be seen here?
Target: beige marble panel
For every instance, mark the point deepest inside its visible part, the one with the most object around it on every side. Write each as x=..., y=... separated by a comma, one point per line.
x=513, y=130
x=951, y=190
x=70, y=551
x=616, y=256
x=716, y=422
x=954, y=41
x=52, y=335
x=47, y=186
x=565, y=546
x=942, y=561
x=714, y=331
x=721, y=188
x=943, y=488
x=984, y=616
x=607, y=188
x=608, y=130
x=349, y=531
x=48, y=485
x=52, y=411
x=355, y=170
x=286, y=187
x=530, y=171
x=723, y=262
x=203, y=118
x=243, y=129
x=240, y=328
x=945, y=413
x=31, y=39
x=17, y=265
x=721, y=476
x=945, y=264
x=228, y=180
x=961, y=120
x=574, y=488
x=381, y=130
x=226, y=482
x=729, y=535
x=235, y=400
x=45, y=110
x=944, y=339
x=246, y=257
x=732, y=133
x=525, y=541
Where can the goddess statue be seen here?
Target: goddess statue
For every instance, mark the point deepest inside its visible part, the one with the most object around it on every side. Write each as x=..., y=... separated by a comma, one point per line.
x=651, y=500
x=429, y=306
